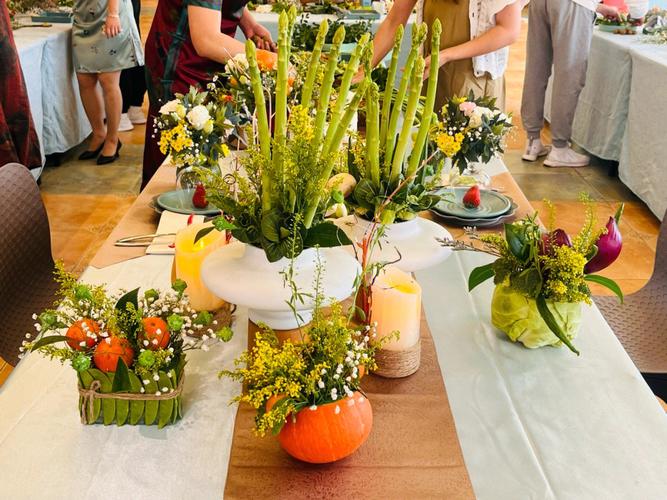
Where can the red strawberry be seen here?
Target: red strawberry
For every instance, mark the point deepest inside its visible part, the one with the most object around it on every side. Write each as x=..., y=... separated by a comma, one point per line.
x=472, y=198
x=199, y=198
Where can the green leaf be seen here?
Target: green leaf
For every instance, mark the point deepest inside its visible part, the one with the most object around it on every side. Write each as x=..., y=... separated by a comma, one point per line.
x=86, y=380
x=136, y=406
x=516, y=242
x=50, y=339
x=179, y=287
x=365, y=193
x=528, y=282
x=203, y=232
x=166, y=406
x=121, y=380
x=479, y=275
x=326, y=234
x=271, y=226
x=152, y=407
x=607, y=283
x=122, y=411
x=551, y=322
x=131, y=297
x=108, y=405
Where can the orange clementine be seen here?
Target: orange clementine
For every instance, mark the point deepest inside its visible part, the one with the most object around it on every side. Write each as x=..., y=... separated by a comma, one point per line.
x=109, y=351
x=78, y=333
x=156, y=332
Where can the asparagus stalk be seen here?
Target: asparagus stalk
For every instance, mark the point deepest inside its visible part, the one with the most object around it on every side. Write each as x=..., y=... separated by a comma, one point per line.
x=406, y=130
x=418, y=34
x=309, y=83
x=340, y=132
x=424, y=127
x=346, y=82
x=280, y=124
x=389, y=86
x=372, y=134
x=262, y=119
x=327, y=84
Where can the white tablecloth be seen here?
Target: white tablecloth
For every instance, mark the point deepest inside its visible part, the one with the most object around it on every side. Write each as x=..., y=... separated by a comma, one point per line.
x=621, y=113
x=46, y=60
x=532, y=424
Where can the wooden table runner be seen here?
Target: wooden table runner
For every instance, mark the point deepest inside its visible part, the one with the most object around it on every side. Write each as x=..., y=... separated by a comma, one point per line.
x=413, y=450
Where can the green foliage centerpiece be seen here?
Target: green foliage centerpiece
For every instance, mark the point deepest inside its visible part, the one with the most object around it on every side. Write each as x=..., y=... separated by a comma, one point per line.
x=129, y=352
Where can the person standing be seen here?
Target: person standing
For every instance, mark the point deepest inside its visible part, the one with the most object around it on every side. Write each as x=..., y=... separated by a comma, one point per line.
x=133, y=86
x=559, y=35
x=189, y=41
x=18, y=139
x=475, y=40
x=105, y=41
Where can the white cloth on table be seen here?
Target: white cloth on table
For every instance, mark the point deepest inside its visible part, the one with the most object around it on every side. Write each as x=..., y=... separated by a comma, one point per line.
x=170, y=222
x=53, y=92
x=49, y=454
x=542, y=423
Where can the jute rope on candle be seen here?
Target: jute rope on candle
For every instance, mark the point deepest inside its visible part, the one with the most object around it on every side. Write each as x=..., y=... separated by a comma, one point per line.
x=90, y=395
x=398, y=364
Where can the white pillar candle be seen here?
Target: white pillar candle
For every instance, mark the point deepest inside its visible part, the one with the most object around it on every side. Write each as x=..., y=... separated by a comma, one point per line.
x=188, y=260
x=396, y=305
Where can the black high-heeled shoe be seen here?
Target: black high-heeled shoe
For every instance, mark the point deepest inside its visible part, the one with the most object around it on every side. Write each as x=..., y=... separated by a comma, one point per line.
x=89, y=155
x=105, y=160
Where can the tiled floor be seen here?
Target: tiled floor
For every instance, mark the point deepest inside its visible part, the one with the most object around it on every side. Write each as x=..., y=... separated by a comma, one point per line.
x=85, y=201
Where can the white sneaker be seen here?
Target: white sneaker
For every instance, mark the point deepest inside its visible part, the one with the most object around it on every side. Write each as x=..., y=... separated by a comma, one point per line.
x=125, y=123
x=566, y=157
x=136, y=115
x=535, y=149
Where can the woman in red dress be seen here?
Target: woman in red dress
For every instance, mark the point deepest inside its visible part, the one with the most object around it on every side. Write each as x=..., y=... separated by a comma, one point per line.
x=189, y=41
x=18, y=139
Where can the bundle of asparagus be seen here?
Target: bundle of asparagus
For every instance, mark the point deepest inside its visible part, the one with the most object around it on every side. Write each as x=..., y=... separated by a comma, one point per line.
x=387, y=183
x=280, y=200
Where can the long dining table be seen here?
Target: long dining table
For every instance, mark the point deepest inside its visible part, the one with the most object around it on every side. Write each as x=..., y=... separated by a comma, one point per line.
x=483, y=417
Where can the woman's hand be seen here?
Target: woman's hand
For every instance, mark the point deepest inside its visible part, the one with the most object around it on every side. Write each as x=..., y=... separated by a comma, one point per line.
x=608, y=11
x=256, y=32
x=112, y=26
x=443, y=58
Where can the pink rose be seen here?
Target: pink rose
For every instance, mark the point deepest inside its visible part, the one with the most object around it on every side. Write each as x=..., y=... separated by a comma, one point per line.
x=467, y=107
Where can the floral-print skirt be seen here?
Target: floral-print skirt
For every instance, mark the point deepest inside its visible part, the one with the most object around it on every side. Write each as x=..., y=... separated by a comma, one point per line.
x=93, y=51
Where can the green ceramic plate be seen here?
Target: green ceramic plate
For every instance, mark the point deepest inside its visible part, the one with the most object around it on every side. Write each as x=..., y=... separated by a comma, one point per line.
x=180, y=201
x=492, y=204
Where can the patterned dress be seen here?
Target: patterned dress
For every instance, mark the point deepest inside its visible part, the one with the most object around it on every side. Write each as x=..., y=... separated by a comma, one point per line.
x=172, y=63
x=93, y=51
x=18, y=139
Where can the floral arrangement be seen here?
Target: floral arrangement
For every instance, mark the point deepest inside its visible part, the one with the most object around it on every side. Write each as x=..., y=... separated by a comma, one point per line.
x=542, y=276
x=386, y=169
x=305, y=33
x=278, y=198
x=470, y=130
x=655, y=26
x=193, y=129
x=130, y=345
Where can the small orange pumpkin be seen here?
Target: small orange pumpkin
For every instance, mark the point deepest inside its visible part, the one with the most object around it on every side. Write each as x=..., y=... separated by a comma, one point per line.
x=156, y=332
x=328, y=432
x=109, y=350
x=78, y=331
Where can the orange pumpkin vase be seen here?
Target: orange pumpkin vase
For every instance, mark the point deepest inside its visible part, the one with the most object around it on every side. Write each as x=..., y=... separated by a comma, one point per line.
x=109, y=351
x=328, y=432
x=78, y=333
x=156, y=332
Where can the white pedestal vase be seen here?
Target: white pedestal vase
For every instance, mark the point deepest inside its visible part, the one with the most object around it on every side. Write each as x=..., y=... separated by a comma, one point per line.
x=241, y=274
x=415, y=241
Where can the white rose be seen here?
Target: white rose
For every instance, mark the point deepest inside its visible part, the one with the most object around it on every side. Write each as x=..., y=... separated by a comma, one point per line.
x=169, y=107
x=198, y=116
x=484, y=111
x=475, y=119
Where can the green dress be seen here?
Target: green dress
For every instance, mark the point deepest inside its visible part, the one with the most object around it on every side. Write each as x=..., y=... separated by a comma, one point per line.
x=92, y=51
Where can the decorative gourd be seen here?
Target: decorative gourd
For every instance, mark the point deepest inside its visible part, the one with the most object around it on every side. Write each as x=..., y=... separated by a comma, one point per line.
x=109, y=350
x=328, y=432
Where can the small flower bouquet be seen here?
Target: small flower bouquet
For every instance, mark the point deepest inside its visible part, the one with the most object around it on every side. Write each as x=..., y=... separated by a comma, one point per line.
x=128, y=352
x=470, y=130
x=193, y=129
x=305, y=390
x=542, y=277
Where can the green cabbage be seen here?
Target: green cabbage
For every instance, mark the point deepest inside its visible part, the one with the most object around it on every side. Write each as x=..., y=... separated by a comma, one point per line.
x=517, y=316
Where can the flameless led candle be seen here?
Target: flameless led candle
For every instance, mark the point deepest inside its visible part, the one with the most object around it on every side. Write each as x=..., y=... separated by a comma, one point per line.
x=188, y=260
x=396, y=305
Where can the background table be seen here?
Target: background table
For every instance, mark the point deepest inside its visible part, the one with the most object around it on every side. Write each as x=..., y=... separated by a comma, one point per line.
x=621, y=112
x=46, y=60
x=531, y=424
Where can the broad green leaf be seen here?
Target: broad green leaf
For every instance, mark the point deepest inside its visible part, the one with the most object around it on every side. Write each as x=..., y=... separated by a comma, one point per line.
x=529, y=282
x=122, y=411
x=551, y=322
x=480, y=275
x=121, y=380
x=271, y=222
x=222, y=224
x=365, y=193
x=130, y=297
x=50, y=339
x=607, y=283
x=203, y=232
x=108, y=405
x=326, y=234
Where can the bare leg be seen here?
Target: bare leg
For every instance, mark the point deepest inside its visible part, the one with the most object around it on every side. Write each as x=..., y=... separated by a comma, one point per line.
x=91, y=97
x=113, y=102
